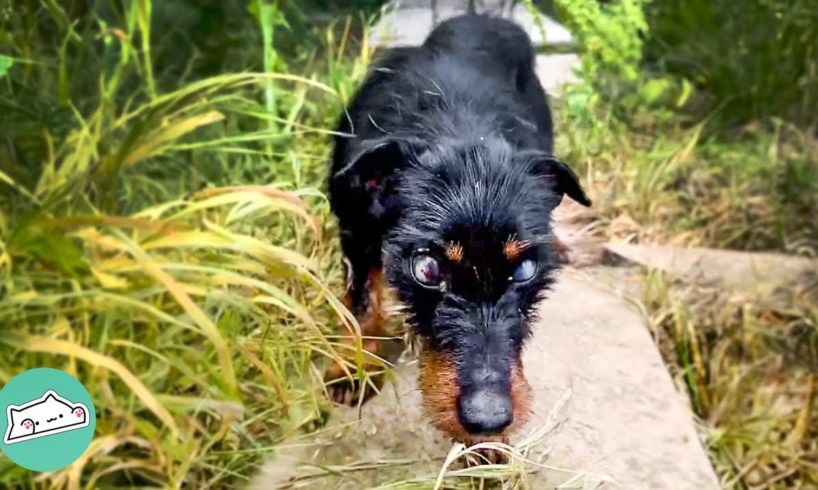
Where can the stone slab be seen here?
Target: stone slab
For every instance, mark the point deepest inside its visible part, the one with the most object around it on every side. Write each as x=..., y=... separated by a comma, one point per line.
x=625, y=419
x=759, y=272
x=593, y=369
x=556, y=70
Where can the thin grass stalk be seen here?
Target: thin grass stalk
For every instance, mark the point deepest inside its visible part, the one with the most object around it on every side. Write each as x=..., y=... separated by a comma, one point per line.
x=143, y=19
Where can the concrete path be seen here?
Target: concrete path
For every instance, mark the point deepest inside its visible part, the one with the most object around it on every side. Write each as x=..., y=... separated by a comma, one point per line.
x=625, y=418
x=758, y=272
x=407, y=22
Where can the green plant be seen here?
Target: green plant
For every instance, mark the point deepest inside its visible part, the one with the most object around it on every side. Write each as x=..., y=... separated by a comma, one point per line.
x=616, y=85
x=611, y=38
x=748, y=60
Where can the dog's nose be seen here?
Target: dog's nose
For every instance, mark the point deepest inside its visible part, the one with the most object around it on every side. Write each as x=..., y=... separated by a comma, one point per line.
x=484, y=411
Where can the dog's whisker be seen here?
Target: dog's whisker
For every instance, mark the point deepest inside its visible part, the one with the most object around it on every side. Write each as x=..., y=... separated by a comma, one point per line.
x=372, y=120
x=440, y=90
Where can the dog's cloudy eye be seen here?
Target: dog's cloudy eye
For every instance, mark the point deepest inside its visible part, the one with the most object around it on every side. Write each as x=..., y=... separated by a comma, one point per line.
x=426, y=270
x=524, y=271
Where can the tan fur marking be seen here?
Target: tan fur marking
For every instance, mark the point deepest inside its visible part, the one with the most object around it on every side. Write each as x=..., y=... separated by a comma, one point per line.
x=440, y=388
x=377, y=287
x=513, y=247
x=520, y=397
x=454, y=251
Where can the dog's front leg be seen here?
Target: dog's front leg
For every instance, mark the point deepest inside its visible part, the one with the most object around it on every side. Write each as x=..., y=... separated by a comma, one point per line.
x=365, y=299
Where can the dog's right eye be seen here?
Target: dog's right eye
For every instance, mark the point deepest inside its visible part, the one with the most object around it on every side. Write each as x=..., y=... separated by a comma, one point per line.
x=525, y=271
x=426, y=270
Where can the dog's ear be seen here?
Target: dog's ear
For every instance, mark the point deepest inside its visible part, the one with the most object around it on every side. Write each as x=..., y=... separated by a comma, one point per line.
x=373, y=173
x=565, y=180
x=374, y=161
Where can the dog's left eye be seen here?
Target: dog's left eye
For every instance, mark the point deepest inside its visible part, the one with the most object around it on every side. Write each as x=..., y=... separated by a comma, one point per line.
x=426, y=270
x=524, y=271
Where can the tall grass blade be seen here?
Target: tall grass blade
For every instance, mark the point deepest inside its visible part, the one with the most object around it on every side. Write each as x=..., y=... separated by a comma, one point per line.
x=32, y=343
x=199, y=317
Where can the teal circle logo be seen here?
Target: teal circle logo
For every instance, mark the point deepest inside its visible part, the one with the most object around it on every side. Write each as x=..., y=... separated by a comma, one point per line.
x=47, y=419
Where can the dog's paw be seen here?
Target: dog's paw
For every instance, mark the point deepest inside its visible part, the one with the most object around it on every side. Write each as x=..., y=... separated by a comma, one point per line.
x=347, y=390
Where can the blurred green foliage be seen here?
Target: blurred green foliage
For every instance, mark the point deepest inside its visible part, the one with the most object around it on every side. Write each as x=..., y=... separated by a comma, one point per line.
x=750, y=59
x=611, y=38
x=742, y=61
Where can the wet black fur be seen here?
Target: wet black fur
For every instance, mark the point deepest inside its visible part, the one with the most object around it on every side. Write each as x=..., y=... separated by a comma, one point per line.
x=452, y=142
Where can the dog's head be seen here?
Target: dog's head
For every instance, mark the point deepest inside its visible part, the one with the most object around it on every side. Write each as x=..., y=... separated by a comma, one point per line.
x=470, y=257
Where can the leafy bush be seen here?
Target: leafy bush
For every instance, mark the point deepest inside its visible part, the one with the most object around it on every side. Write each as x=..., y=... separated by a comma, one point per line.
x=753, y=59
x=611, y=38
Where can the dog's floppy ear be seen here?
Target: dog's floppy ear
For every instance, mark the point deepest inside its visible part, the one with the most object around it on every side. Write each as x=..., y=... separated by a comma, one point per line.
x=372, y=172
x=374, y=160
x=565, y=180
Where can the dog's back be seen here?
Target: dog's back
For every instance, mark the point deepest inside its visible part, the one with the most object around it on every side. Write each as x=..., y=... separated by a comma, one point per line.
x=497, y=46
x=472, y=77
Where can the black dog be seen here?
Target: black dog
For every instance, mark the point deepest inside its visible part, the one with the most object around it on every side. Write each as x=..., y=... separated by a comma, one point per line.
x=447, y=183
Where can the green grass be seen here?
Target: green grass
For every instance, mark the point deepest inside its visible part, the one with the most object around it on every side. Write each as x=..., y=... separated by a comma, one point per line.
x=756, y=189
x=194, y=337
x=747, y=363
x=163, y=239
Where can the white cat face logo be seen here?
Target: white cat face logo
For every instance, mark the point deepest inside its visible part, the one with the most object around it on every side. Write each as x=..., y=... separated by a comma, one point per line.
x=50, y=414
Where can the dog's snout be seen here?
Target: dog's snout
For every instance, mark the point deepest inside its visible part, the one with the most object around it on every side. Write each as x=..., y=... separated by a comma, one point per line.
x=485, y=411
